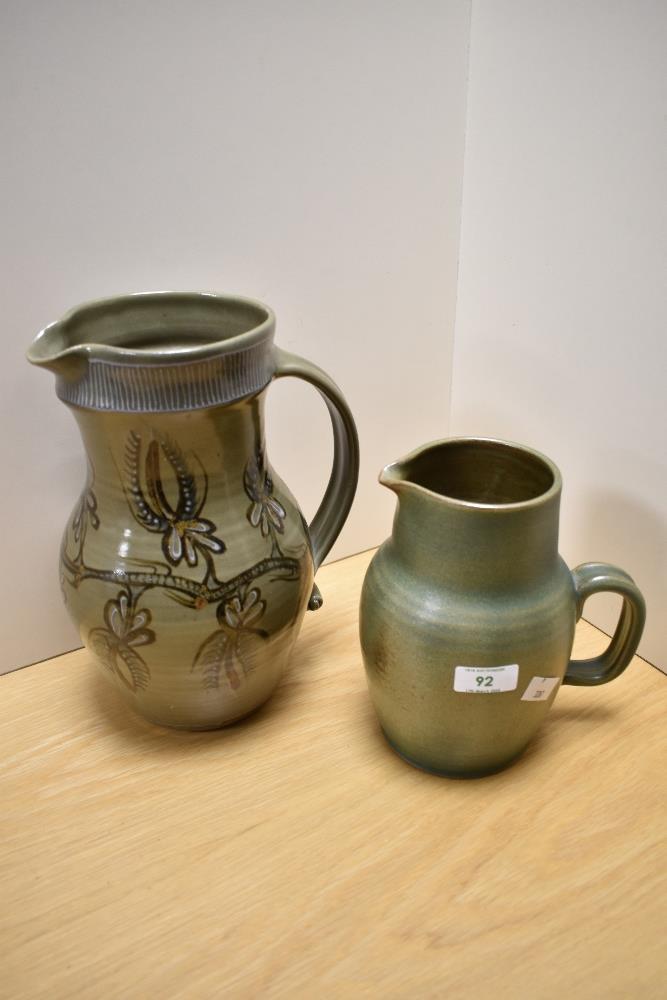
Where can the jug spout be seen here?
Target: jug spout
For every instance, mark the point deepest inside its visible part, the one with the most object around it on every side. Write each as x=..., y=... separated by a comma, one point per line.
x=53, y=350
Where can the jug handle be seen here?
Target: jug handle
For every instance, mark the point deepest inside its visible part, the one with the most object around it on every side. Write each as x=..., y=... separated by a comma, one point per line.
x=342, y=485
x=595, y=578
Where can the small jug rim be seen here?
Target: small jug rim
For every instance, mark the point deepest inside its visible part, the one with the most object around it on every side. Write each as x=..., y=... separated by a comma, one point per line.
x=388, y=476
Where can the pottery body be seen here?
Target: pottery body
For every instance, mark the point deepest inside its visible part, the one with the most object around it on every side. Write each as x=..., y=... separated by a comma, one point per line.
x=468, y=612
x=187, y=564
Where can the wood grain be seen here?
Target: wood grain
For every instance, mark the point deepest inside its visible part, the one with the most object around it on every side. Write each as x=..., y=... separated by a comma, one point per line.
x=294, y=855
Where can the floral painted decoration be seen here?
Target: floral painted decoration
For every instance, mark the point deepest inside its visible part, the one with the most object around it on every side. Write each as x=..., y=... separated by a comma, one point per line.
x=185, y=535
x=265, y=511
x=125, y=629
x=86, y=512
x=184, y=532
x=222, y=650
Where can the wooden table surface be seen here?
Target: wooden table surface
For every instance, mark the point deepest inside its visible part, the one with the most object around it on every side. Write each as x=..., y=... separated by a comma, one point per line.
x=294, y=855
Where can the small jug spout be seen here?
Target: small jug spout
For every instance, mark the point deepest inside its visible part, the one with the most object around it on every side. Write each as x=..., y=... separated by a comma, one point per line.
x=393, y=476
x=404, y=475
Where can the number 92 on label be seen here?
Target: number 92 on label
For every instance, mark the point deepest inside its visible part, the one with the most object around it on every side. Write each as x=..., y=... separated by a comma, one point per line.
x=486, y=680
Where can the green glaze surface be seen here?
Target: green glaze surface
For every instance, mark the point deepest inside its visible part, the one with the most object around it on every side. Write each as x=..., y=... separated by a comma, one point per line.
x=186, y=564
x=471, y=577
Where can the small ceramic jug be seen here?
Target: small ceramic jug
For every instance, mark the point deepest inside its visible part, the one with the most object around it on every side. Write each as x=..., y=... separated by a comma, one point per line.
x=187, y=564
x=468, y=612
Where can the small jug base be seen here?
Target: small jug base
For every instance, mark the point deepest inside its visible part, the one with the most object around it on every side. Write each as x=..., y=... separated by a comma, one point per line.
x=447, y=773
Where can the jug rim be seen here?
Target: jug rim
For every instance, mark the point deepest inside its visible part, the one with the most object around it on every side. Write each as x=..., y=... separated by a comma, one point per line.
x=389, y=476
x=58, y=341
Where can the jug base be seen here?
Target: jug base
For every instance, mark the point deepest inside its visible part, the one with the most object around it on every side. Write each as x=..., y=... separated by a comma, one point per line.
x=206, y=727
x=461, y=774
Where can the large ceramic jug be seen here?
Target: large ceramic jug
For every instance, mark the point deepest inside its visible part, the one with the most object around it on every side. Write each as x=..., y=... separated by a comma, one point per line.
x=187, y=565
x=468, y=612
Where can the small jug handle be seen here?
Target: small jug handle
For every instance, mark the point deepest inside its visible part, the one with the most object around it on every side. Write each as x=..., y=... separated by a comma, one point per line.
x=337, y=500
x=594, y=578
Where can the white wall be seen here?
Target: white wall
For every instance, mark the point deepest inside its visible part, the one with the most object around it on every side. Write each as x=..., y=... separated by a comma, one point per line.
x=306, y=153
x=561, y=315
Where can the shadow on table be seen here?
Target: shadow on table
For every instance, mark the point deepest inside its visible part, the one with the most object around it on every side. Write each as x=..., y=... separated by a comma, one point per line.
x=585, y=718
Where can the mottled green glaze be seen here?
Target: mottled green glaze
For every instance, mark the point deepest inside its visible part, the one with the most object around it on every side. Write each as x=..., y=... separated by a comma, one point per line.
x=187, y=565
x=471, y=576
